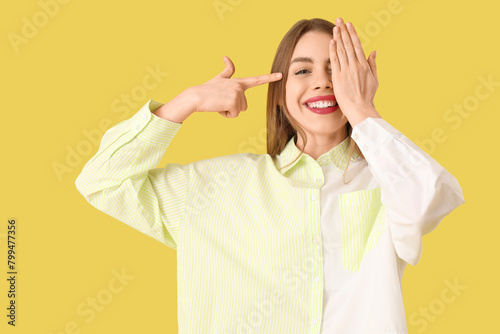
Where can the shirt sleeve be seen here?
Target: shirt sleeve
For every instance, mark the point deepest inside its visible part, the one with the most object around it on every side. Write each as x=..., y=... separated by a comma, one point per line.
x=121, y=179
x=415, y=189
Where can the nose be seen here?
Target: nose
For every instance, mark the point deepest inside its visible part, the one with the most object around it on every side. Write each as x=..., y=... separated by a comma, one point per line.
x=323, y=80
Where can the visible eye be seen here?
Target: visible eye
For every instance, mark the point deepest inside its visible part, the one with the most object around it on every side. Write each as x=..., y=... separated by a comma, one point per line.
x=300, y=71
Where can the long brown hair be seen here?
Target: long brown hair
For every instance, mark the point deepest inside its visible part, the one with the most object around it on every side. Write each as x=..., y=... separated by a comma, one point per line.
x=281, y=126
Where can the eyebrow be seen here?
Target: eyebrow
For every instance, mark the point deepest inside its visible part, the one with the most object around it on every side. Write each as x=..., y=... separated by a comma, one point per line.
x=306, y=60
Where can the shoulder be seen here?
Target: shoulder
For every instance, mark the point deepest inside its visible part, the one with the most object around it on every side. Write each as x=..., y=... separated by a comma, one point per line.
x=237, y=163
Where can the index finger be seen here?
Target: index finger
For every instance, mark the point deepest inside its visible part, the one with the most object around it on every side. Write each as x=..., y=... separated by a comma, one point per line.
x=250, y=82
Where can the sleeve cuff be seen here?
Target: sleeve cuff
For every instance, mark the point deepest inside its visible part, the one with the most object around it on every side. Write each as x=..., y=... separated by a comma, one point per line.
x=373, y=132
x=152, y=129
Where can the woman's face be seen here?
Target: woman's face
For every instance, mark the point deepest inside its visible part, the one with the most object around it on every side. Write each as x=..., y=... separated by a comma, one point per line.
x=311, y=79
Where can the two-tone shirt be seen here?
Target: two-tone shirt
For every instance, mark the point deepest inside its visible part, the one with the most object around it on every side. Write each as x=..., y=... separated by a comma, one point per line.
x=267, y=250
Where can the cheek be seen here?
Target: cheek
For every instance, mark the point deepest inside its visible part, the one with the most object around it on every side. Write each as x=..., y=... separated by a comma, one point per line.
x=289, y=98
x=292, y=93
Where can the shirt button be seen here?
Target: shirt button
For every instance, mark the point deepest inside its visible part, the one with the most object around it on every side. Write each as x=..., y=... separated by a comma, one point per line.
x=316, y=279
x=365, y=148
x=355, y=136
x=315, y=240
x=315, y=321
x=313, y=197
x=144, y=116
x=137, y=126
x=318, y=180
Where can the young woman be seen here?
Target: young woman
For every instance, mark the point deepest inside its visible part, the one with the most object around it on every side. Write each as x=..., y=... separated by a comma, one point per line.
x=312, y=237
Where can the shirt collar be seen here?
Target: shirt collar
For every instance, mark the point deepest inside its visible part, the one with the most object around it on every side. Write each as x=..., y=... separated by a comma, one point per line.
x=337, y=155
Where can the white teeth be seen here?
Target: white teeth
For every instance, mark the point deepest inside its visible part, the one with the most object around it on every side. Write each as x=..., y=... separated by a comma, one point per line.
x=321, y=104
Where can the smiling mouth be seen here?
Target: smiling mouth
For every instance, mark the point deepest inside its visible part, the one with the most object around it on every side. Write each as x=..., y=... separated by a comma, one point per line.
x=321, y=104
x=321, y=101
x=322, y=108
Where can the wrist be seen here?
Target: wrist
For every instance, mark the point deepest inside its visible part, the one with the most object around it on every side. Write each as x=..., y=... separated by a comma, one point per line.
x=190, y=97
x=177, y=109
x=361, y=112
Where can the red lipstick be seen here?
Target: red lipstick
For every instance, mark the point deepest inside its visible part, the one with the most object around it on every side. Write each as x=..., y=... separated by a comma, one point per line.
x=322, y=111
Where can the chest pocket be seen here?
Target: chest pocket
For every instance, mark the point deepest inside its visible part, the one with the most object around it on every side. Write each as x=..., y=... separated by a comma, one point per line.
x=363, y=222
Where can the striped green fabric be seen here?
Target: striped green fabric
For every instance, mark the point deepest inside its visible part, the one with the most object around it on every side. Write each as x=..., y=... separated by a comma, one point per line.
x=242, y=229
x=363, y=222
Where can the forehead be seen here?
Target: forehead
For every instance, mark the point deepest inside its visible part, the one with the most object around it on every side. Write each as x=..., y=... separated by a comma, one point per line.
x=310, y=60
x=312, y=47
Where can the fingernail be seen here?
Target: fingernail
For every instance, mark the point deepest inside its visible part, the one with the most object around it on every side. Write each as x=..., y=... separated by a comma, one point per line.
x=278, y=75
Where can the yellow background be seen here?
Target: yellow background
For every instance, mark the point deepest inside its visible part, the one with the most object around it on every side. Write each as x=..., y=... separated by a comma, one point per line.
x=68, y=77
